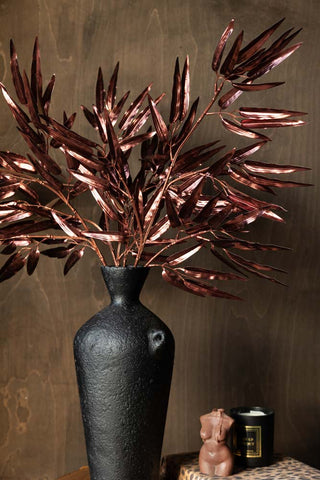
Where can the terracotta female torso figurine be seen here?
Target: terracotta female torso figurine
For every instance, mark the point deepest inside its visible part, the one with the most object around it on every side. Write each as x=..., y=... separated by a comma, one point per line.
x=215, y=457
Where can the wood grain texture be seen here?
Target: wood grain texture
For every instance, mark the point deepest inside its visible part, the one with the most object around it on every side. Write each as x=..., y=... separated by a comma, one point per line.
x=263, y=351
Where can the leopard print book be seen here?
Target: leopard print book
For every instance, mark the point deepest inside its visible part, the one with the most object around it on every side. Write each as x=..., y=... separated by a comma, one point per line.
x=186, y=467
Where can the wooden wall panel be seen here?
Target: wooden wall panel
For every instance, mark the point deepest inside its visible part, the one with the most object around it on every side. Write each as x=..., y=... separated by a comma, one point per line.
x=264, y=350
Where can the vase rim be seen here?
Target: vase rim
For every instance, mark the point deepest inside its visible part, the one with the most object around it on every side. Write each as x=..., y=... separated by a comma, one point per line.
x=127, y=267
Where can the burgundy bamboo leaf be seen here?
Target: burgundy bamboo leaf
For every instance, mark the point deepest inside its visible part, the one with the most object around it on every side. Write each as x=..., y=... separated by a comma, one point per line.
x=31, y=101
x=221, y=46
x=205, y=274
x=187, y=208
x=90, y=116
x=220, y=217
x=271, y=123
x=18, y=113
x=239, y=222
x=159, y=123
x=112, y=88
x=276, y=183
x=16, y=75
x=192, y=158
x=33, y=259
x=245, y=179
x=57, y=252
x=207, y=210
x=246, y=245
x=225, y=260
x=176, y=94
x=91, y=180
x=100, y=92
x=257, y=43
x=103, y=204
x=36, y=76
x=105, y=236
x=185, y=89
x=217, y=168
x=282, y=42
x=134, y=108
x=114, y=114
x=245, y=152
x=46, y=99
x=135, y=140
x=273, y=61
x=14, y=217
x=65, y=226
x=255, y=87
x=9, y=249
x=69, y=121
x=183, y=255
x=172, y=213
x=101, y=124
x=12, y=266
x=188, y=123
x=30, y=192
x=73, y=258
x=233, y=127
x=260, y=167
x=232, y=56
x=151, y=207
x=88, y=161
x=209, y=290
x=67, y=134
x=230, y=97
x=177, y=281
x=254, y=265
x=159, y=228
x=268, y=113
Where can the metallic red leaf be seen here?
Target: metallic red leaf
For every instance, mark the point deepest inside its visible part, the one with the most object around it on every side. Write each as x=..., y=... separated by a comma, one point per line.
x=33, y=259
x=134, y=108
x=183, y=255
x=268, y=113
x=185, y=89
x=233, y=127
x=205, y=274
x=158, y=121
x=16, y=75
x=12, y=266
x=257, y=43
x=36, y=76
x=176, y=94
x=221, y=46
x=105, y=236
x=112, y=88
x=232, y=56
x=73, y=258
x=171, y=212
x=260, y=167
x=100, y=92
x=273, y=62
x=255, y=87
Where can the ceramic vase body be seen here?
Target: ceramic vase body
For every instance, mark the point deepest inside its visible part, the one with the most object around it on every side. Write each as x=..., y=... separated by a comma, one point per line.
x=124, y=360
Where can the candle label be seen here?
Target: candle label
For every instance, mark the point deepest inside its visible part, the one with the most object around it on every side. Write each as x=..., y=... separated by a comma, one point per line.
x=247, y=441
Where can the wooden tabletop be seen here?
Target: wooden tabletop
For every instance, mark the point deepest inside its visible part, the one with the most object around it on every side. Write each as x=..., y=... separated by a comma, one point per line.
x=81, y=474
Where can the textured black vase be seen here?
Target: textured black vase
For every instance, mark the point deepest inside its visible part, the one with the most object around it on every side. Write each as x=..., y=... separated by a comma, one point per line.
x=124, y=359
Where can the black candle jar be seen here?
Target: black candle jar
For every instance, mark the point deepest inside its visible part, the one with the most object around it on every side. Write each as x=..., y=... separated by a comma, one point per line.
x=252, y=440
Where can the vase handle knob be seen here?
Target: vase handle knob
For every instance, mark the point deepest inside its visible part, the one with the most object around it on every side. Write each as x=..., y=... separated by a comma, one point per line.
x=156, y=340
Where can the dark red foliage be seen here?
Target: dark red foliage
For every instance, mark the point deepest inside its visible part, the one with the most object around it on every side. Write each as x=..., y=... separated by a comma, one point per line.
x=166, y=207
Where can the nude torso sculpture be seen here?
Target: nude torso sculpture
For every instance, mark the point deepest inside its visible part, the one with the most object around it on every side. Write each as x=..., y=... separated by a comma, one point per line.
x=215, y=457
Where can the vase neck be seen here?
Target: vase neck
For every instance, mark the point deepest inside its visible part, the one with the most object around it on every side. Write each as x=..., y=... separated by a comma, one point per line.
x=124, y=283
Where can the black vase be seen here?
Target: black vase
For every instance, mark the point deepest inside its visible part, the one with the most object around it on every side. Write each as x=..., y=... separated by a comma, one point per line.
x=124, y=360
